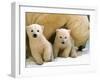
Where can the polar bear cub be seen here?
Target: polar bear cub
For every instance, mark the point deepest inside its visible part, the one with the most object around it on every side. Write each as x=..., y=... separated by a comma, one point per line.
x=41, y=49
x=64, y=44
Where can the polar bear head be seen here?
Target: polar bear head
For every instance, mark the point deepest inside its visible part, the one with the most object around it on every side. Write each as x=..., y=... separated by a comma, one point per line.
x=62, y=35
x=35, y=30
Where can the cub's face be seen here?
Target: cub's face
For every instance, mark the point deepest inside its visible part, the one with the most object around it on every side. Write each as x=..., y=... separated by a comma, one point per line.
x=35, y=30
x=62, y=36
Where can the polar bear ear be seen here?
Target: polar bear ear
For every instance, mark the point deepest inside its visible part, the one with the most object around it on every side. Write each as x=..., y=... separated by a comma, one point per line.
x=42, y=27
x=27, y=27
x=69, y=31
x=57, y=30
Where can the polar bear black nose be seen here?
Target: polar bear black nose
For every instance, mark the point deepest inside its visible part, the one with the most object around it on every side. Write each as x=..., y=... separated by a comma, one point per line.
x=34, y=35
x=62, y=42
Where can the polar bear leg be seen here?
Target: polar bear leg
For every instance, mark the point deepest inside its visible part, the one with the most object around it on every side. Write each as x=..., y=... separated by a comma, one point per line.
x=55, y=51
x=66, y=52
x=37, y=57
x=73, y=52
x=48, y=54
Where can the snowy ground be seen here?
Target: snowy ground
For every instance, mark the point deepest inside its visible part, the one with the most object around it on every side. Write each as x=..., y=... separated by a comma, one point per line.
x=82, y=59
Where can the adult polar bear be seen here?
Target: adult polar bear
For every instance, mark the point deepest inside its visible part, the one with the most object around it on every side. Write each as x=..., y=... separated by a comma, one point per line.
x=78, y=24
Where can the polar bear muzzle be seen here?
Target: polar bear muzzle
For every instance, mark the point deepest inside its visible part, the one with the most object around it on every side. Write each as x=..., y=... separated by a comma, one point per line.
x=35, y=35
x=63, y=42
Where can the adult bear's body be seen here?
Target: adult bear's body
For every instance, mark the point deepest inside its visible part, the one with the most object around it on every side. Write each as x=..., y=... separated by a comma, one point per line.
x=78, y=24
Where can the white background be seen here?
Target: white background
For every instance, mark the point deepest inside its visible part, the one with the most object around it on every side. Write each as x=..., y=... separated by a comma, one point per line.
x=5, y=41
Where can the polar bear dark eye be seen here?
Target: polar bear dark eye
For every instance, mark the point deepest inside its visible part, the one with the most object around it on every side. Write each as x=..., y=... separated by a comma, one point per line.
x=65, y=37
x=60, y=36
x=31, y=30
x=37, y=30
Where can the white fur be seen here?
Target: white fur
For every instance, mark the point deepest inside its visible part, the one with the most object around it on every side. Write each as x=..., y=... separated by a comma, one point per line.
x=63, y=35
x=41, y=49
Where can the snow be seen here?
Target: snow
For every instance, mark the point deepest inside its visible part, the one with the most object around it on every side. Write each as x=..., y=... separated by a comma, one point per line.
x=80, y=60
